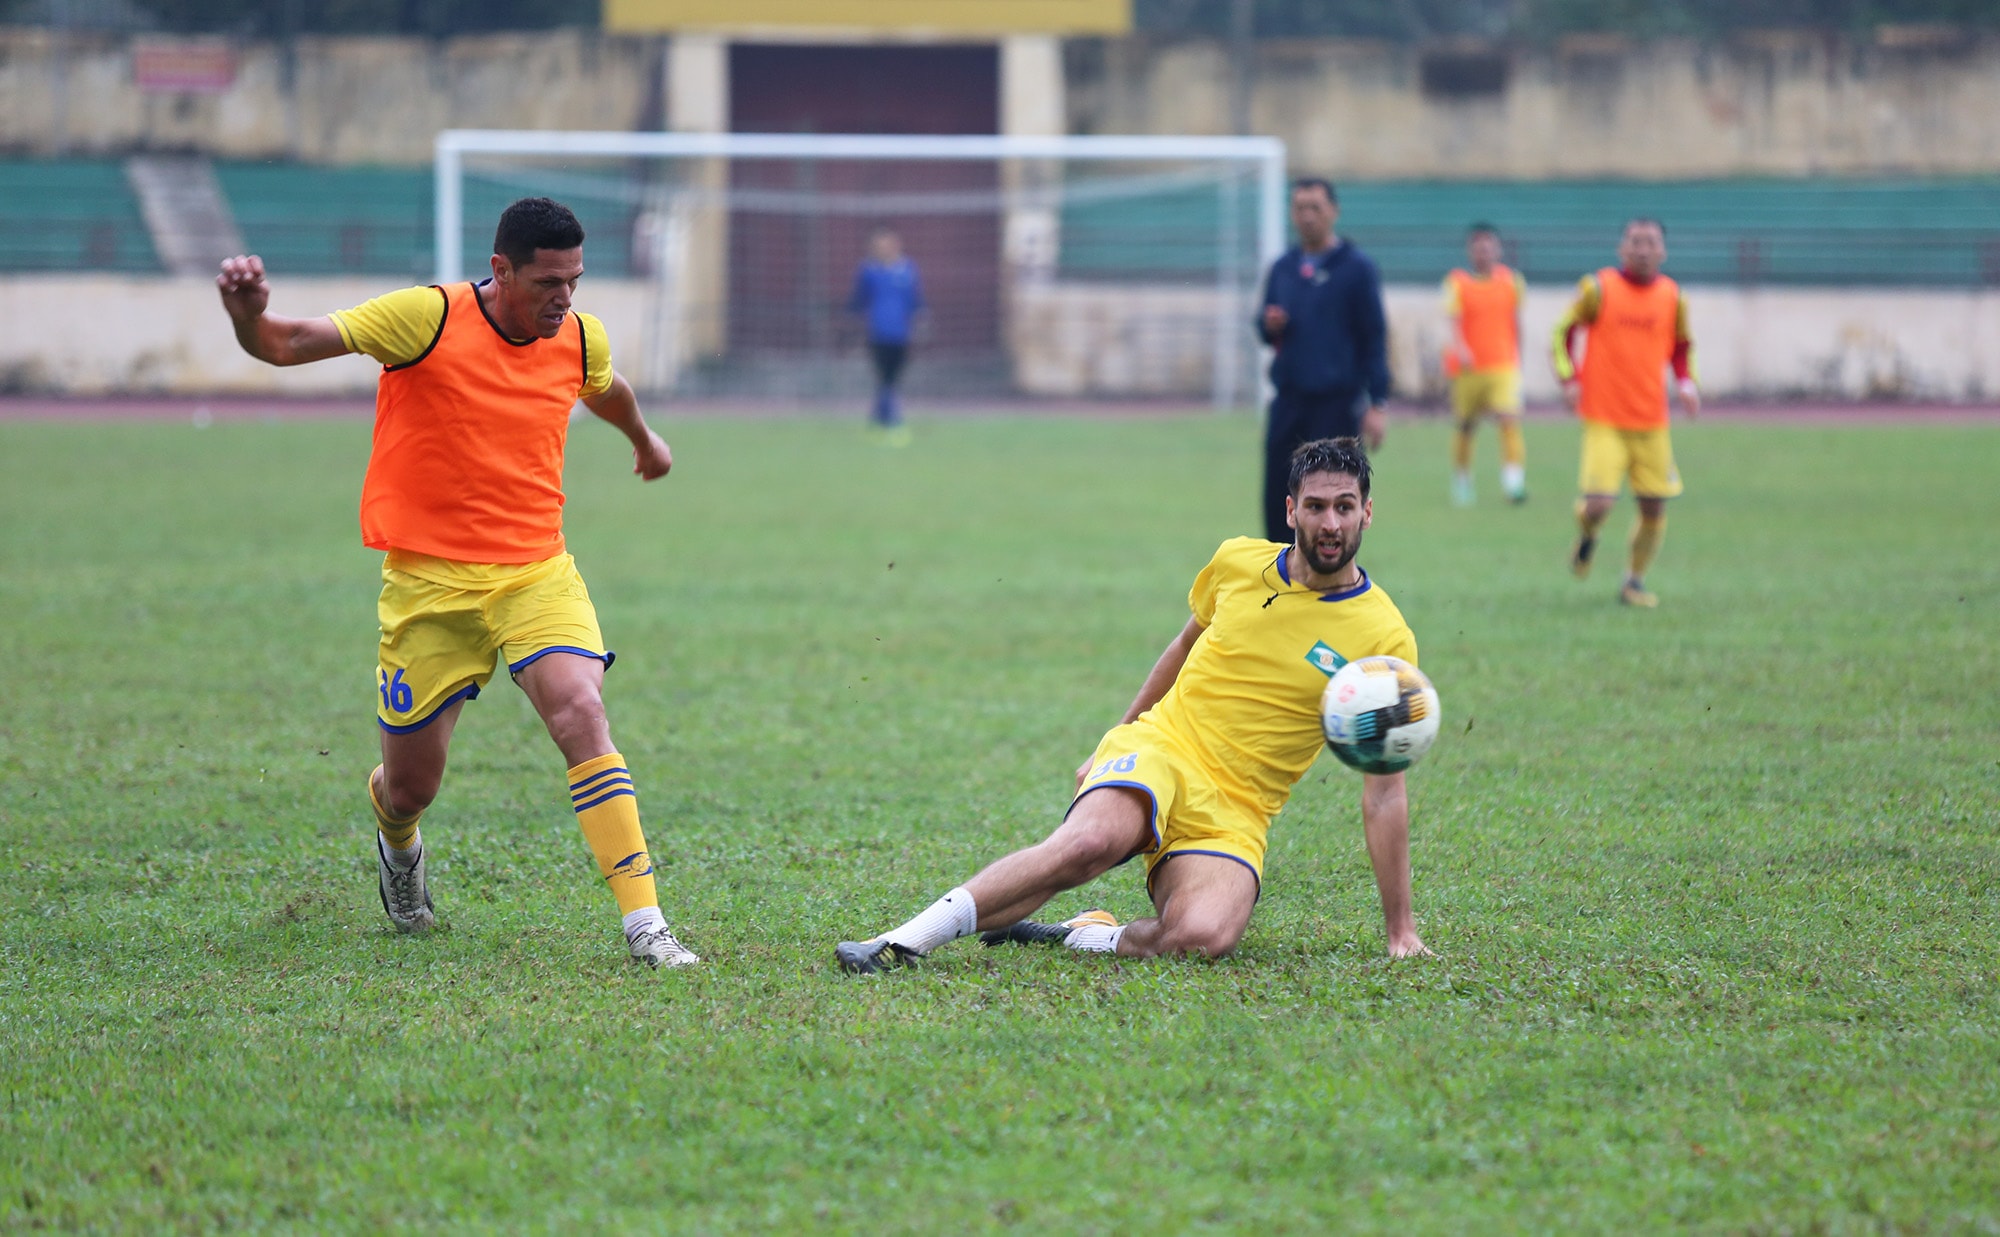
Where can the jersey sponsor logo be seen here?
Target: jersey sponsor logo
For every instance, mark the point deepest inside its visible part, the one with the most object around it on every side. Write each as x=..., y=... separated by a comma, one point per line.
x=1324, y=658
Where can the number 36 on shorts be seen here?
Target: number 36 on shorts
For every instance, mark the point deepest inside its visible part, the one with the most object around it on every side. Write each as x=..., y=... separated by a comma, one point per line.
x=1117, y=764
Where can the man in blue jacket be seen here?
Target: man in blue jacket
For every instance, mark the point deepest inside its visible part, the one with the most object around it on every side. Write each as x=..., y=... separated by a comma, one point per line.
x=887, y=294
x=1323, y=316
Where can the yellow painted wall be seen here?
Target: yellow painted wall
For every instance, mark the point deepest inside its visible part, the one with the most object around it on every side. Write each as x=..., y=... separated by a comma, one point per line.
x=944, y=16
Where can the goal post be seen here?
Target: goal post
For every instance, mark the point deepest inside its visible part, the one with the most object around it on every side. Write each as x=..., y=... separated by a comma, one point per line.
x=1093, y=267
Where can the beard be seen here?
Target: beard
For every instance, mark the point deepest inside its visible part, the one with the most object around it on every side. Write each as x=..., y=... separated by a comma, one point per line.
x=1331, y=566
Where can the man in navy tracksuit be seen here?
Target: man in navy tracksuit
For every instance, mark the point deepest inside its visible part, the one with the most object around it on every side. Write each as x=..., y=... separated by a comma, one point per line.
x=1323, y=314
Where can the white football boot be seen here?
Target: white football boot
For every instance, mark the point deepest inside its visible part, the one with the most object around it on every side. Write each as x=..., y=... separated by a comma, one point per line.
x=406, y=894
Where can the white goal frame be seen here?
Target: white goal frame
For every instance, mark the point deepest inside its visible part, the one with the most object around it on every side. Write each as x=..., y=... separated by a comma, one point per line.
x=1263, y=156
x=1266, y=154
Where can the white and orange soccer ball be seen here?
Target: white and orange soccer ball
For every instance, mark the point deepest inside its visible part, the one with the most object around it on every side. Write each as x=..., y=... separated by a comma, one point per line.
x=1379, y=714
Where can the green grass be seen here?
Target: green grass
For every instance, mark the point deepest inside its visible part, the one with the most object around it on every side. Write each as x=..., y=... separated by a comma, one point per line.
x=1713, y=889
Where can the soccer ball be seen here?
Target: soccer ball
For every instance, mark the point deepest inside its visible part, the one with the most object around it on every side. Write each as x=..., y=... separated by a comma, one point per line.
x=1379, y=714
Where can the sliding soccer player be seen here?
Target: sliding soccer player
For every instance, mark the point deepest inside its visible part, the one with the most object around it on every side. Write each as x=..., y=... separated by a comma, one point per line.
x=1222, y=729
x=464, y=494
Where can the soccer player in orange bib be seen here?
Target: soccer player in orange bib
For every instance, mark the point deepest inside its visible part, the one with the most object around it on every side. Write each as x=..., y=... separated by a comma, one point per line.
x=1483, y=361
x=464, y=496
x=1633, y=323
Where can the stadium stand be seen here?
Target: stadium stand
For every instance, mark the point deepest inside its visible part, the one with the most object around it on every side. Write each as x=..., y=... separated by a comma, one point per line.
x=377, y=220
x=81, y=214
x=71, y=215
x=1913, y=233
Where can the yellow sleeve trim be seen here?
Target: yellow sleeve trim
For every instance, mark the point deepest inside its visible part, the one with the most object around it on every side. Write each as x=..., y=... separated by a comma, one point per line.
x=1451, y=305
x=596, y=356
x=1584, y=309
x=394, y=328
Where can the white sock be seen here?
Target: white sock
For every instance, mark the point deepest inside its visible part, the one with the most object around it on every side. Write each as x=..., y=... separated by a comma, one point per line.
x=1095, y=938
x=407, y=857
x=645, y=919
x=1513, y=478
x=945, y=920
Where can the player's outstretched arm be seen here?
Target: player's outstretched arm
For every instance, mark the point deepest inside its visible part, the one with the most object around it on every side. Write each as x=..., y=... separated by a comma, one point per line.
x=618, y=405
x=1385, y=818
x=271, y=338
x=1159, y=680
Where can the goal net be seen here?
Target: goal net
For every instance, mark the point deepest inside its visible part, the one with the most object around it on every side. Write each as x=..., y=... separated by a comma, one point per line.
x=1064, y=269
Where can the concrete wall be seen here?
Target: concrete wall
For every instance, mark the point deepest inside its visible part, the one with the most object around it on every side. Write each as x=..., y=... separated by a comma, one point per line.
x=98, y=334
x=1777, y=103
x=338, y=100
x=1901, y=101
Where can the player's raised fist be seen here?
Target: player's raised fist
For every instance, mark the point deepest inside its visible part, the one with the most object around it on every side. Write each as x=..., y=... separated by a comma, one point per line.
x=241, y=282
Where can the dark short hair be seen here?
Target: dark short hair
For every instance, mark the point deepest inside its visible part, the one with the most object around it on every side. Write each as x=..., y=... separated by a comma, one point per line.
x=1645, y=220
x=1341, y=455
x=535, y=223
x=1482, y=228
x=1316, y=182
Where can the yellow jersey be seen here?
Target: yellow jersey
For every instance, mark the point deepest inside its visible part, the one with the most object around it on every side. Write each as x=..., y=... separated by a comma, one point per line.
x=398, y=328
x=1245, y=706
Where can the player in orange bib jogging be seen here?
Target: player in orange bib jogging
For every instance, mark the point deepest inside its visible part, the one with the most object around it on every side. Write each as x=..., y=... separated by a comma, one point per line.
x=1484, y=362
x=464, y=494
x=1633, y=323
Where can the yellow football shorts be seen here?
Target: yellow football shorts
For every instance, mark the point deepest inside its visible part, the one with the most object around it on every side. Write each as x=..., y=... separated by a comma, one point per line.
x=1612, y=455
x=445, y=624
x=1486, y=390
x=1190, y=816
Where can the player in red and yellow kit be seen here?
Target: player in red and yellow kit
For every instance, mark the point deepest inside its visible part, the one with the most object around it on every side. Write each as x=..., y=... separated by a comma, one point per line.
x=1483, y=359
x=464, y=495
x=1223, y=727
x=1633, y=323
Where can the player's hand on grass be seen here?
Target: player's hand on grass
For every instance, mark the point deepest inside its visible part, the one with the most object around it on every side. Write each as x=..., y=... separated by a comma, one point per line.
x=245, y=295
x=1408, y=945
x=1373, y=423
x=652, y=459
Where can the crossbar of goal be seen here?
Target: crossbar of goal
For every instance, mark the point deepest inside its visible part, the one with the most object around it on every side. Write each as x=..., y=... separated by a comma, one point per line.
x=1265, y=154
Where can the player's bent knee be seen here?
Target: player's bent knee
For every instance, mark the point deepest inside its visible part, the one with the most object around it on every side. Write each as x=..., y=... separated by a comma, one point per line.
x=578, y=718
x=408, y=793
x=1204, y=940
x=1086, y=855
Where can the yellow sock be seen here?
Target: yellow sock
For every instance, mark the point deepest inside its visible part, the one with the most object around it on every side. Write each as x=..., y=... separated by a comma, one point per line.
x=1513, y=444
x=1584, y=523
x=1461, y=447
x=607, y=810
x=399, y=832
x=1646, y=538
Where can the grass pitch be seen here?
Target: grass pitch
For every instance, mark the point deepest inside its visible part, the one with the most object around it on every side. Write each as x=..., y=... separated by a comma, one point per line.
x=1713, y=888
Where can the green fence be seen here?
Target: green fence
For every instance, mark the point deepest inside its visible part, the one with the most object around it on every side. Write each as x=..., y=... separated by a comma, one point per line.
x=79, y=214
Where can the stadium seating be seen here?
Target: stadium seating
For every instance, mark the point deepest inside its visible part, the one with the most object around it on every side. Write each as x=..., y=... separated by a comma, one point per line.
x=71, y=215
x=1935, y=233
x=378, y=220
x=80, y=214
